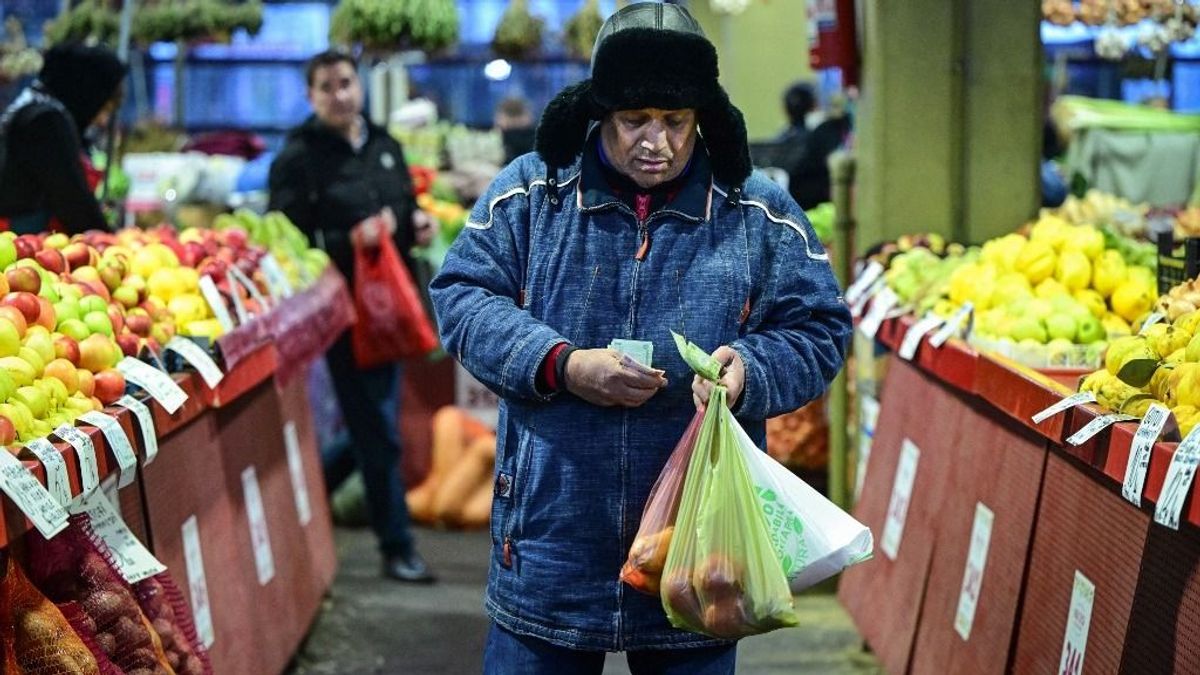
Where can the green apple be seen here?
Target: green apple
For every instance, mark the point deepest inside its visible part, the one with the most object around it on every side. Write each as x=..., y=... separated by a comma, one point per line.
x=69, y=291
x=74, y=328
x=98, y=322
x=34, y=360
x=7, y=385
x=8, y=251
x=1027, y=328
x=1089, y=330
x=1061, y=327
x=40, y=342
x=66, y=309
x=10, y=339
x=19, y=369
x=35, y=399
x=92, y=303
x=48, y=292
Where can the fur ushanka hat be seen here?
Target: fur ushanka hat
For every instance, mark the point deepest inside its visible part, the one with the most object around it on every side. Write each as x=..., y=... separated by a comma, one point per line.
x=649, y=55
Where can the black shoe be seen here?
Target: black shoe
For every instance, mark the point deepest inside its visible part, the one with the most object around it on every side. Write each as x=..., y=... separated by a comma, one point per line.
x=410, y=568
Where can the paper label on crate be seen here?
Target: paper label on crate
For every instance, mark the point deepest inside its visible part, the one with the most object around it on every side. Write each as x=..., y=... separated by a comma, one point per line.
x=868, y=411
x=906, y=474
x=860, y=303
x=158, y=384
x=208, y=288
x=260, y=539
x=238, y=308
x=952, y=326
x=1178, y=482
x=968, y=597
x=145, y=422
x=1097, y=425
x=85, y=450
x=1154, y=318
x=133, y=560
x=869, y=275
x=193, y=560
x=34, y=500
x=57, y=481
x=1064, y=405
x=912, y=339
x=110, y=490
x=291, y=441
x=1079, y=620
x=884, y=302
x=1139, y=452
x=118, y=442
x=198, y=358
x=277, y=281
x=251, y=288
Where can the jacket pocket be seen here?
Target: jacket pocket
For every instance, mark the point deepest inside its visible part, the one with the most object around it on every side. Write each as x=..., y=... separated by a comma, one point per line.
x=506, y=518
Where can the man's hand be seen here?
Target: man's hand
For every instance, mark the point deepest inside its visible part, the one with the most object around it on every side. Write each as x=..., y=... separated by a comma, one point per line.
x=424, y=226
x=733, y=378
x=369, y=230
x=598, y=376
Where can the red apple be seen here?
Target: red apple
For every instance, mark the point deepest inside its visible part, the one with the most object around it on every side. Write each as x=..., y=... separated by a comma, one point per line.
x=24, y=279
x=65, y=347
x=77, y=254
x=8, y=432
x=152, y=345
x=96, y=352
x=193, y=253
x=129, y=343
x=110, y=385
x=46, y=315
x=51, y=260
x=26, y=303
x=16, y=317
x=235, y=237
x=117, y=317
x=98, y=288
x=138, y=324
x=26, y=246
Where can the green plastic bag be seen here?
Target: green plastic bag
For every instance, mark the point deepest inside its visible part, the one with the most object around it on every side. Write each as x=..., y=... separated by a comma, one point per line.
x=722, y=577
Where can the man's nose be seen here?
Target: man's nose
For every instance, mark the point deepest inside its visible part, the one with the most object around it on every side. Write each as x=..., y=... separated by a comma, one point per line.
x=655, y=137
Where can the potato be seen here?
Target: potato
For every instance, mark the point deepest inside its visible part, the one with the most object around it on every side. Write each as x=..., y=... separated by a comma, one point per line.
x=142, y=657
x=174, y=659
x=104, y=607
x=681, y=595
x=726, y=620
x=130, y=634
x=718, y=579
x=94, y=569
x=166, y=632
x=192, y=665
x=59, y=663
x=107, y=643
x=35, y=627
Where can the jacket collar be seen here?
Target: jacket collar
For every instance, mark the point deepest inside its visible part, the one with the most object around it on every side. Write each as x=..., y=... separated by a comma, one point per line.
x=315, y=129
x=692, y=201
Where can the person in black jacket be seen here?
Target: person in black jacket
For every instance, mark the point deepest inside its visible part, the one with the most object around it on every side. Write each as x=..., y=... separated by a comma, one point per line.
x=340, y=178
x=43, y=183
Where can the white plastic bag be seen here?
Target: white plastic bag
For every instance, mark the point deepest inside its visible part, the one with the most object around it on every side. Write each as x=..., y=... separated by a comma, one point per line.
x=813, y=538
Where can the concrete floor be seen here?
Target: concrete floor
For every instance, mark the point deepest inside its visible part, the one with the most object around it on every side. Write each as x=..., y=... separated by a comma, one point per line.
x=370, y=625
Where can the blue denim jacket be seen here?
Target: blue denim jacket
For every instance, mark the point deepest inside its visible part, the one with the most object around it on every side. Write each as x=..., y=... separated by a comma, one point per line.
x=542, y=261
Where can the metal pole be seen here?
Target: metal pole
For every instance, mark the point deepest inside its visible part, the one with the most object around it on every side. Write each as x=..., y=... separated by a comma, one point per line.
x=841, y=168
x=110, y=142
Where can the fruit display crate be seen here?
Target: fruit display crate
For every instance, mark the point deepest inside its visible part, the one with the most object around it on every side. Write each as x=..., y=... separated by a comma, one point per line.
x=955, y=363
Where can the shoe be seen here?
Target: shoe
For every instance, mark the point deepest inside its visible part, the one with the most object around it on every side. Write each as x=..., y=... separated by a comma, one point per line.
x=409, y=568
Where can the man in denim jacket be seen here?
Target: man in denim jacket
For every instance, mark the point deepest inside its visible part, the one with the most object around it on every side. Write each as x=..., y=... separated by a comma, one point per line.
x=637, y=215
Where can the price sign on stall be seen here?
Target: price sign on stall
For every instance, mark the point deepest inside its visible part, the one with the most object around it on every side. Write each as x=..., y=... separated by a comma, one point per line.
x=1064, y=405
x=47, y=515
x=869, y=275
x=155, y=382
x=145, y=423
x=291, y=441
x=906, y=475
x=1178, y=483
x=198, y=358
x=968, y=597
x=118, y=442
x=193, y=561
x=208, y=288
x=89, y=470
x=57, y=480
x=260, y=539
x=1079, y=621
x=1139, y=452
x=133, y=560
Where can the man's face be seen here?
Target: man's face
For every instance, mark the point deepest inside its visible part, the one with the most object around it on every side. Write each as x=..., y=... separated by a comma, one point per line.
x=336, y=95
x=649, y=145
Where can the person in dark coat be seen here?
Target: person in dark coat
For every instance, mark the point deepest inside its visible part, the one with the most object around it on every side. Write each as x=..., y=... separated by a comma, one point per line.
x=46, y=181
x=340, y=178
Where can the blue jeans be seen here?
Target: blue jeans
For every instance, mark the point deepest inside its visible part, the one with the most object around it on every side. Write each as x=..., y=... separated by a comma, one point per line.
x=507, y=653
x=368, y=399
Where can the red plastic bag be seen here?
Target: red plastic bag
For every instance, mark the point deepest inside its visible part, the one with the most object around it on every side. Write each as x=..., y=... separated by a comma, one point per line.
x=392, y=324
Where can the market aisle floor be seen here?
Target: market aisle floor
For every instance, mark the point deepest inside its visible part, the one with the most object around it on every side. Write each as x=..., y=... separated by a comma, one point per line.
x=370, y=625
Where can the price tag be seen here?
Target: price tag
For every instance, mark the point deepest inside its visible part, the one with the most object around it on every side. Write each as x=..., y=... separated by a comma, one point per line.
x=260, y=539
x=1178, y=482
x=133, y=561
x=291, y=441
x=198, y=358
x=118, y=442
x=1079, y=620
x=238, y=308
x=856, y=309
x=208, y=288
x=35, y=501
x=193, y=560
x=869, y=275
x=1139, y=452
x=251, y=288
x=1096, y=426
x=912, y=339
x=89, y=470
x=277, y=281
x=57, y=481
x=158, y=384
x=1063, y=405
x=884, y=302
x=906, y=474
x=952, y=326
x=868, y=411
x=1150, y=321
x=968, y=597
x=145, y=422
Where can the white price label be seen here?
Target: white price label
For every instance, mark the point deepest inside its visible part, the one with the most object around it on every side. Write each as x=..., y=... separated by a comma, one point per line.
x=133, y=560
x=1097, y=425
x=884, y=302
x=1139, y=452
x=1178, y=482
x=952, y=326
x=291, y=441
x=89, y=470
x=912, y=339
x=968, y=597
x=198, y=358
x=277, y=281
x=260, y=539
x=1079, y=620
x=238, y=308
x=208, y=288
x=48, y=516
x=155, y=382
x=906, y=475
x=868, y=410
x=1150, y=321
x=869, y=275
x=145, y=422
x=57, y=480
x=251, y=288
x=857, y=307
x=193, y=560
x=1064, y=405
x=118, y=442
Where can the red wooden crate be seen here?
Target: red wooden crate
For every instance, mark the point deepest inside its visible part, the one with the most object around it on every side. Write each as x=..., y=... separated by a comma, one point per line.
x=1080, y=526
x=1021, y=393
x=999, y=464
x=254, y=369
x=195, y=405
x=1093, y=452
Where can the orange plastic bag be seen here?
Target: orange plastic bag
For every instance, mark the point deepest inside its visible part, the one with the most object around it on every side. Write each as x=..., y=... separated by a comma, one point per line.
x=643, y=568
x=392, y=324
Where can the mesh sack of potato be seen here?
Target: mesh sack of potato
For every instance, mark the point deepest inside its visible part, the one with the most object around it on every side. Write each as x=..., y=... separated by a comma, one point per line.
x=76, y=566
x=643, y=567
x=171, y=618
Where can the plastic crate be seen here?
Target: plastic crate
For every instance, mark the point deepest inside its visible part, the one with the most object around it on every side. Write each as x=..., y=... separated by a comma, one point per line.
x=1174, y=269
